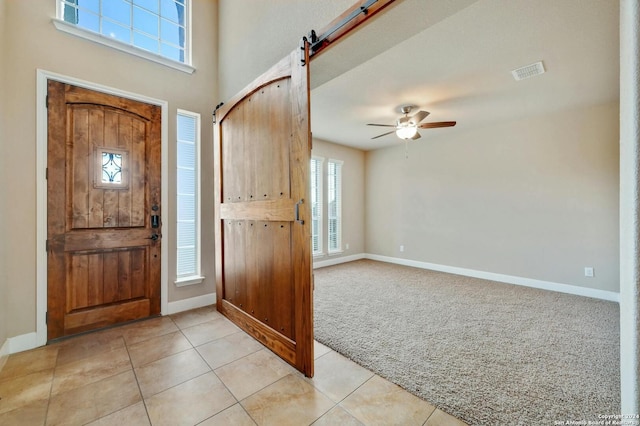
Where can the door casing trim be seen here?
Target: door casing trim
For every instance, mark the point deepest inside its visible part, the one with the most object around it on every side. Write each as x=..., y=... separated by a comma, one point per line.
x=41, y=188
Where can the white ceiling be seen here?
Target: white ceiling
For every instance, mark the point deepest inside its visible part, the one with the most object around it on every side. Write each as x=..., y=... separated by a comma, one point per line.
x=454, y=58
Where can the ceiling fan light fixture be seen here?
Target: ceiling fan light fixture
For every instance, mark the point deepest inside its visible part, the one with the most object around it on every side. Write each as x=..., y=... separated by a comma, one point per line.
x=407, y=127
x=406, y=132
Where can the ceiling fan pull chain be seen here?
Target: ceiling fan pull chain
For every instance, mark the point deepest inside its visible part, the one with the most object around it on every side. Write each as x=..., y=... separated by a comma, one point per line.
x=406, y=149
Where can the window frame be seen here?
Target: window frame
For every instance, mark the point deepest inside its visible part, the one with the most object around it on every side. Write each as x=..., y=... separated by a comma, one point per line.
x=90, y=35
x=195, y=278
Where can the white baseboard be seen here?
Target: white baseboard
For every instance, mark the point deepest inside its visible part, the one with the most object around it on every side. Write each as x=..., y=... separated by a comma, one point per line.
x=509, y=279
x=191, y=303
x=337, y=260
x=21, y=343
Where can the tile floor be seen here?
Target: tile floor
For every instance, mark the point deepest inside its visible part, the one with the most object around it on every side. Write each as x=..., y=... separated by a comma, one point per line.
x=195, y=368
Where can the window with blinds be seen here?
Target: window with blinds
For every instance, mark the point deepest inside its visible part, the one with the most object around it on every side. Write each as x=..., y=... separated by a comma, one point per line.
x=316, y=205
x=334, y=205
x=188, y=197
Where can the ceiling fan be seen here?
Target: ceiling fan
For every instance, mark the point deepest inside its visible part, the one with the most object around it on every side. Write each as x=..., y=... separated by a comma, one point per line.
x=407, y=127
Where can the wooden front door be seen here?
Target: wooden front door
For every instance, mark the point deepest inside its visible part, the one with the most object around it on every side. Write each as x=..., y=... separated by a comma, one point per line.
x=103, y=187
x=262, y=231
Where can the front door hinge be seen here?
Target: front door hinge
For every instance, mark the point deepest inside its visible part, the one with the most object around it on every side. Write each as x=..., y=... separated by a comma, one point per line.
x=46, y=173
x=46, y=101
x=46, y=246
x=46, y=317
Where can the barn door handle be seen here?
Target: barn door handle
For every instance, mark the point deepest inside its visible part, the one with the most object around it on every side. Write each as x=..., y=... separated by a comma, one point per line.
x=301, y=222
x=154, y=237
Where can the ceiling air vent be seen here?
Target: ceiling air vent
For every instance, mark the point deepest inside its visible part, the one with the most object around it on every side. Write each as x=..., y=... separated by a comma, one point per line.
x=528, y=71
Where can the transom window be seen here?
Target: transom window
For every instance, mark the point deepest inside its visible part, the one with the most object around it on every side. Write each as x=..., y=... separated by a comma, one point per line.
x=157, y=26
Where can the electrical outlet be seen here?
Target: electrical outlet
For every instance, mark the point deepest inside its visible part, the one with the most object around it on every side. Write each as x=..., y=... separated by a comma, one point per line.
x=401, y=248
x=346, y=246
x=588, y=272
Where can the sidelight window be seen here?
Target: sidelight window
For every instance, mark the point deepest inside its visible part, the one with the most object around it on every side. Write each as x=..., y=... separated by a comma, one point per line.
x=188, y=198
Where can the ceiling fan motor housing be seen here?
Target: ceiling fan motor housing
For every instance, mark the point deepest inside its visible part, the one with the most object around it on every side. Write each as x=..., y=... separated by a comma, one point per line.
x=406, y=109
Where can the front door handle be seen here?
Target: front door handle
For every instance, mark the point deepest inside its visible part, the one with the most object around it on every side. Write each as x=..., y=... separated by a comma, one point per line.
x=154, y=237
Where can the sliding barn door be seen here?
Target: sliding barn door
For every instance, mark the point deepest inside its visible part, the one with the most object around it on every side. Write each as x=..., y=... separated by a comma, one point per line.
x=263, y=257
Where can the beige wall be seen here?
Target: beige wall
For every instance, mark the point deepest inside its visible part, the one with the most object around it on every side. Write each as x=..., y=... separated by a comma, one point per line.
x=352, y=195
x=535, y=198
x=255, y=34
x=35, y=43
x=3, y=184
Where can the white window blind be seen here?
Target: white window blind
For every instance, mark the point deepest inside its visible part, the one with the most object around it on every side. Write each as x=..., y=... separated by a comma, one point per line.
x=334, y=204
x=188, y=195
x=316, y=205
x=157, y=26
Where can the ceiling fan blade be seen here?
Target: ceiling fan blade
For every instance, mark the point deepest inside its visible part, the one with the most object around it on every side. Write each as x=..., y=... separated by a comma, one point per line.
x=418, y=117
x=382, y=125
x=416, y=136
x=437, y=124
x=384, y=134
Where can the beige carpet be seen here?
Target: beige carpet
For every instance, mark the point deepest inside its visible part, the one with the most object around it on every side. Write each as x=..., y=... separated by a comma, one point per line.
x=486, y=352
